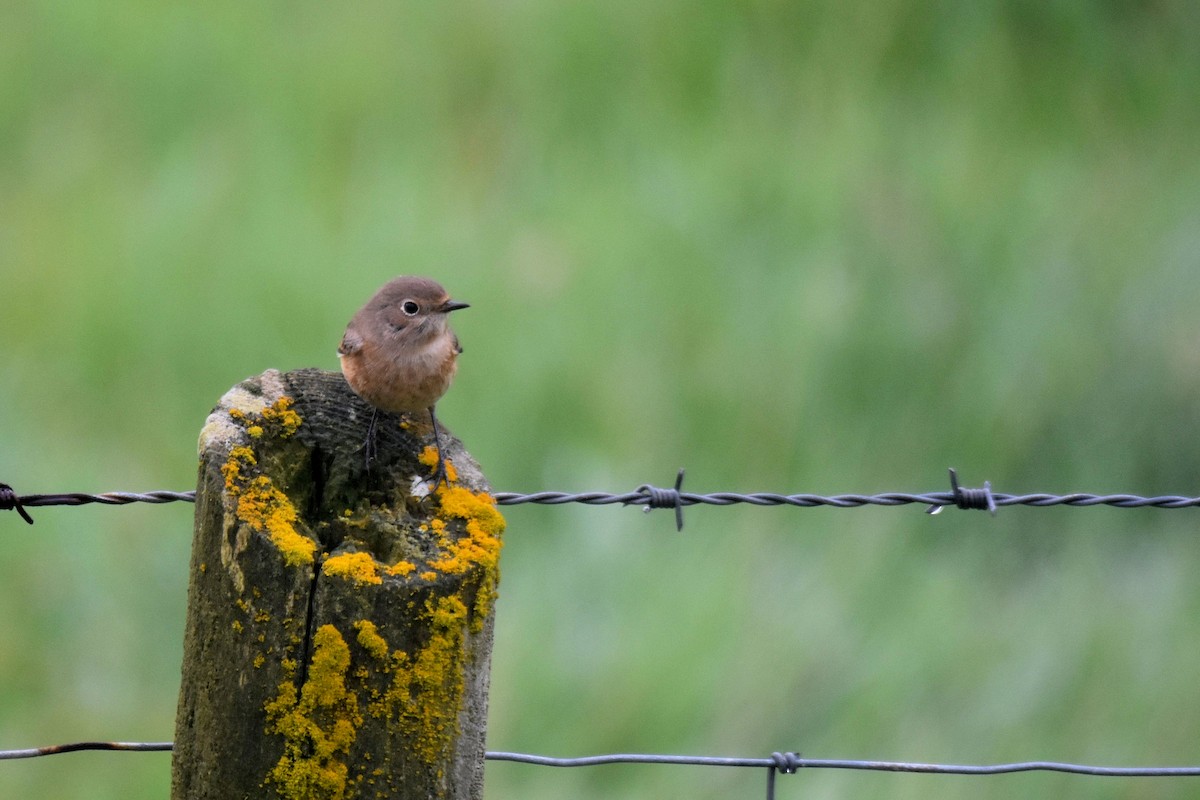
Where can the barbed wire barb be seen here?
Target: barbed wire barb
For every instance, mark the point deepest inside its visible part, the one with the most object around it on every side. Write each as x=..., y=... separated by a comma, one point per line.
x=665, y=498
x=10, y=501
x=968, y=498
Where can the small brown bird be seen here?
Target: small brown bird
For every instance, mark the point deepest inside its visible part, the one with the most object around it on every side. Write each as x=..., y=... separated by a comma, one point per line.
x=399, y=354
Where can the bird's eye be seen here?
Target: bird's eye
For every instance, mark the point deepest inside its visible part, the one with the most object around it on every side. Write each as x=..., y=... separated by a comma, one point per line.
x=409, y=307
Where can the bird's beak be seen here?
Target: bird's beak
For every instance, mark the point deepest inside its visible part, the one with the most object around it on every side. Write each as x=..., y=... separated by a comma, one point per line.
x=452, y=305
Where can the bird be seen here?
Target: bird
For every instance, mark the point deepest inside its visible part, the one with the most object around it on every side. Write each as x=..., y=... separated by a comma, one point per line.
x=399, y=354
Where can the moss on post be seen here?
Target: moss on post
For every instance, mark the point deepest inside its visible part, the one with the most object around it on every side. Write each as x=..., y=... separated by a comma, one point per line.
x=339, y=619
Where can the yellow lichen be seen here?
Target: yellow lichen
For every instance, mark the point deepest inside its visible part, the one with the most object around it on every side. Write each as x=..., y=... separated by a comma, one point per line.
x=425, y=691
x=430, y=683
x=429, y=457
x=479, y=548
x=401, y=568
x=318, y=726
x=319, y=722
x=240, y=458
x=260, y=504
x=264, y=507
x=370, y=640
x=358, y=567
x=279, y=416
x=280, y=413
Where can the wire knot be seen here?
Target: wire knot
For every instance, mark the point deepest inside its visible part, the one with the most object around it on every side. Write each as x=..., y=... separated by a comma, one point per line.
x=9, y=500
x=657, y=497
x=787, y=763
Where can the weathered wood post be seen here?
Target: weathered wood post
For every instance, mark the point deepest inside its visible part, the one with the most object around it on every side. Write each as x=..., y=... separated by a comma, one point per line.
x=339, y=622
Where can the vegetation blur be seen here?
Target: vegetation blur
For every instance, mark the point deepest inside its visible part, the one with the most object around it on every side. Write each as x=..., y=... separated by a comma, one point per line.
x=794, y=247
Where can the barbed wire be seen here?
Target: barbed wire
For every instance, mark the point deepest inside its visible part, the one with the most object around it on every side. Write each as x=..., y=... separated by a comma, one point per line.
x=787, y=763
x=654, y=497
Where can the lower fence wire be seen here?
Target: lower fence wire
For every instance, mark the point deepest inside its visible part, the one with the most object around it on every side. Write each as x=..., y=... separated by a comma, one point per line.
x=786, y=763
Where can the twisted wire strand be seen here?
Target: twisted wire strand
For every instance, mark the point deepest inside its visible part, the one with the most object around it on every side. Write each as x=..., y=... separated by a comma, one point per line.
x=652, y=497
x=106, y=498
x=690, y=499
x=849, y=500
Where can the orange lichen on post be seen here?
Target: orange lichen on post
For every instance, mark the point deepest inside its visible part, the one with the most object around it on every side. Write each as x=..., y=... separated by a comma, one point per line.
x=477, y=546
x=279, y=417
x=318, y=726
x=429, y=457
x=370, y=640
x=265, y=508
x=260, y=504
x=401, y=568
x=480, y=547
x=358, y=567
x=280, y=413
x=425, y=689
x=435, y=675
x=484, y=526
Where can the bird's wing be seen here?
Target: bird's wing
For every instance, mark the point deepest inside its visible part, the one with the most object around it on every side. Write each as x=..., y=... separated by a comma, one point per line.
x=352, y=342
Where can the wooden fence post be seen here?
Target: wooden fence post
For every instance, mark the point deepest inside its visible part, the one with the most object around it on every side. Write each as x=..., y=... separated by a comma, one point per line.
x=339, y=623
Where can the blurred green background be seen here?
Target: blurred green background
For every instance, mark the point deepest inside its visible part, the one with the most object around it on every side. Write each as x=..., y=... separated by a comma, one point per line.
x=792, y=246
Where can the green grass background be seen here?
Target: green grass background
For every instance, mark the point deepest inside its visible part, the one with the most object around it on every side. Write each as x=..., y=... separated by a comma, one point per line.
x=793, y=246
